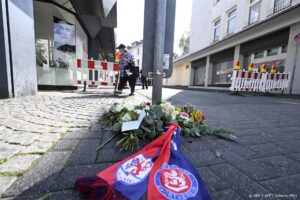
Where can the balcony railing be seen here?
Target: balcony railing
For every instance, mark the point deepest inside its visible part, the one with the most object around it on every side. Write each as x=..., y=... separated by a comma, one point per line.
x=281, y=5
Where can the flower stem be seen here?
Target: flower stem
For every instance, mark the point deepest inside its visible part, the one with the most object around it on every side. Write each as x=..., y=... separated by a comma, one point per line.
x=106, y=142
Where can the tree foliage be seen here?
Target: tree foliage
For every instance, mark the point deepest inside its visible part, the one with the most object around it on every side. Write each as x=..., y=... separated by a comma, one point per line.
x=184, y=43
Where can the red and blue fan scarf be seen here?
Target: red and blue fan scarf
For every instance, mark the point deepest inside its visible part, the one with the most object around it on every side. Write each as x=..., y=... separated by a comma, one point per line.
x=159, y=169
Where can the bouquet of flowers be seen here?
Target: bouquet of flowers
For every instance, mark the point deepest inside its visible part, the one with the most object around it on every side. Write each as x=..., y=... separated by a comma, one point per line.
x=193, y=123
x=191, y=120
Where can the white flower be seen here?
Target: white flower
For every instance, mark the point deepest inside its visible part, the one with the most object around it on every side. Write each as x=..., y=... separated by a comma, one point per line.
x=174, y=114
x=171, y=109
x=147, y=107
x=184, y=117
x=126, y=117
x=138, y=111
x=168, y=108
x=129, y=107
x=119, y=108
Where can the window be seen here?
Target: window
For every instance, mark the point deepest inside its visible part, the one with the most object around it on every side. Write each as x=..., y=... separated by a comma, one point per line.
x=281, y=4
x=259, y=54
x=138, y=62
x=217, y=30
x=254, y=12
x=138, y=51
x=284, y=49
x=272, y=52
x=231, y=22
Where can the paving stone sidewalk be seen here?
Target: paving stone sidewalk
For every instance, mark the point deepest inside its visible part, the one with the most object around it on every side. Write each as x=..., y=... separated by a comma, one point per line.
x=39, y=133
x=61, y=133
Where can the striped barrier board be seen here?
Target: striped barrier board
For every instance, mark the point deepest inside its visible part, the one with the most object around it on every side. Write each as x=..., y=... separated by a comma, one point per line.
x=95, y=72
x=258, y=82
x=279, y=81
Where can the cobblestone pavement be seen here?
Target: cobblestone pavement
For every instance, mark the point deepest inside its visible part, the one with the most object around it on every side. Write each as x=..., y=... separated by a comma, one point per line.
x=49, y=140
x=31, y=126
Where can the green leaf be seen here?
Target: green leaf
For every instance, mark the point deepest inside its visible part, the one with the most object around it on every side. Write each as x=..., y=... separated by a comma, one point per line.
x=148, y=120
x=146, y=129
x=198, y=133
x=185, y=122
x=222, y=133
x=158, y=111
x=159, y=124
x=193, y=131
x=226, y=136
x=117, y=127
x=218, y=154
x=152, y=134
x=191, y=119
x=174, y=121
x=169, y=118
x=138, y=132
x=186, y=132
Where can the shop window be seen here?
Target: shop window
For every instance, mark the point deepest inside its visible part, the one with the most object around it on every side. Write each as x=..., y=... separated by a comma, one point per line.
x=247, y=59
x=199, y=75
x=217, y=30
x=259, y=54
x=254, y=13
x=59, y=39
x=231, y=22
x=280, y=65
x=284, y=49
x=222, y=73
x=281, y=4
x=272, y=52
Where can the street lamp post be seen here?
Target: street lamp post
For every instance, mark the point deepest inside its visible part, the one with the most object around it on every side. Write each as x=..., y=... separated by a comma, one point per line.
x=159, y=44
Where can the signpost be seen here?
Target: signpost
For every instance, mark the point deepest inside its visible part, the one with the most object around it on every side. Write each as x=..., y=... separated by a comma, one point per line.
x=297, y=38
x=159, y=22
x=297, y=41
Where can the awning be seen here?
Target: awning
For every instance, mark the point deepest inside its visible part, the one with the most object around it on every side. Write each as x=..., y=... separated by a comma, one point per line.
x=99, y=18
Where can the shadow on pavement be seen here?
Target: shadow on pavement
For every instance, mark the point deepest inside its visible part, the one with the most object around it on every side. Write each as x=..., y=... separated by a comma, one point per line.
x=265, y=159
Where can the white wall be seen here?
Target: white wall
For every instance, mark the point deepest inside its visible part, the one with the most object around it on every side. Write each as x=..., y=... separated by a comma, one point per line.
x=293, y=58
x=204, y=12
x=21, y=23
x=180, y=76
x=134, y=52
x=81, y=42
x=199, y=36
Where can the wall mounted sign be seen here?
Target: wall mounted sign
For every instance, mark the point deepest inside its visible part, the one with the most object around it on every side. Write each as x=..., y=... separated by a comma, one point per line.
x=297, y=38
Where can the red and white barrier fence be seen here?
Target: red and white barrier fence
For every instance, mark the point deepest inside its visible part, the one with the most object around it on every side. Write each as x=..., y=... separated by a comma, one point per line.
x=95, y=72
x=259, y=82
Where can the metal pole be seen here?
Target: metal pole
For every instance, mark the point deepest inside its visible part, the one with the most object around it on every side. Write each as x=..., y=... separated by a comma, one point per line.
x=84, y=86
x=160, y=26
x=294, y=69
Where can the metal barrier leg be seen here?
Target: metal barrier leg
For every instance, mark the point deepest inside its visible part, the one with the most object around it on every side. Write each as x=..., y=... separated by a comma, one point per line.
x=237, y=93
x=117, y=82
x=84, y=86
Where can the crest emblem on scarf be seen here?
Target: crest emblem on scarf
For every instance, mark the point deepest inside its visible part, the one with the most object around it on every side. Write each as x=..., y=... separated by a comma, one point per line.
x=134, y=170
x=175, y=183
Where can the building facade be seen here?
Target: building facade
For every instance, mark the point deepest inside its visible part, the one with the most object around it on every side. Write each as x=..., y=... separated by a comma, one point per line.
x=136, y=49
x=41, y=39
x=251, y=31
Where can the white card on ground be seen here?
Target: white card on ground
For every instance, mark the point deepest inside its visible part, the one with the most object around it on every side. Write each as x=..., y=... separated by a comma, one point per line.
x=133, y=125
